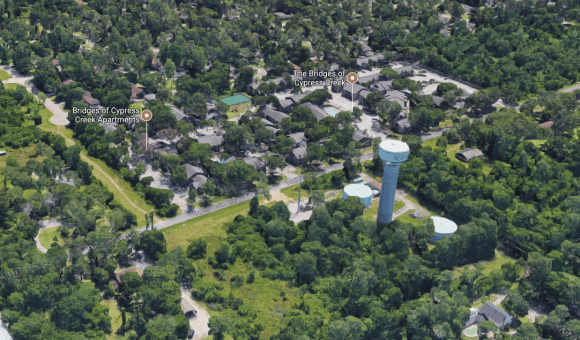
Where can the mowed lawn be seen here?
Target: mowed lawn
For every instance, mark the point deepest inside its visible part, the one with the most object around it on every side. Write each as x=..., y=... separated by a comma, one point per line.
x=210, y=226
x=116, y=319
x=4, y=75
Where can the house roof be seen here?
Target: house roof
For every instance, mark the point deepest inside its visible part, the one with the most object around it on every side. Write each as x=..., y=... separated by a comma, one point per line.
x=55, y=62
x=211, y=140
x=469, y=154
x=400, y=70
x=89, y=99
x=317, y=111
x=374, y=184
x=494, y=313
x=300, y=153
x=192, y=170
x=369, y=79
x=198, y=181
x=359, y=136
x=438, y=100
x=547, y=124
x=149, y=97
x=355, y=88
x=277, y=116
x=255, y=162
x=298, y=97
x=384, y=85
x=135, y=91
x=364, y=93
x=68, y=82
x=396, y=94
x=134, y=270
x=404, y=123
x=179, y=115
x=109, y=126
x=298, y=137
x=477, y=318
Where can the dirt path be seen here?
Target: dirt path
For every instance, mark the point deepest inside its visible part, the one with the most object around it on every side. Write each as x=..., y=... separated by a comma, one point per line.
x=70, y=142
x=199, y=323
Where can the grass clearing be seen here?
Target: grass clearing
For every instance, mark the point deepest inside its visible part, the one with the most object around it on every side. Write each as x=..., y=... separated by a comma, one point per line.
x=210, y=226
x=116, y=319
x=46, y=237
x=4, y=75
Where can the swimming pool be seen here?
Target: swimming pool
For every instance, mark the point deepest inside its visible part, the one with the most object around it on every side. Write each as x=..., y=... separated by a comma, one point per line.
x=332, y=111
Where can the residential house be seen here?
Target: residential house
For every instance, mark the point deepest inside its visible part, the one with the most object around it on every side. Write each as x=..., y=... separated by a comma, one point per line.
x=468, y=154
x=179, y=114
x=183, y=18
x=317, y=111
x=136, y=93
x=196, y=177
x=366, y=62
x=492, y=312
x=155, y=63
x=109, y=126
x=398, y=97
x=366, y=50
x=256, y=163
x=405, y=71
x=272, y=115
x=360, y=137
x=68, y=82
x=149, y=97
x=283, y=16
x=214, y=141
x=438, y=100
x=352, y=91
x=547, y=124
x=402, y=126
x=299, y=138
x=382, y=86
x=362, y=96
x=368, y=79
x=296, y=157
x=280, y=82
x=56, y=64
x=290, y=102
x=90, y=100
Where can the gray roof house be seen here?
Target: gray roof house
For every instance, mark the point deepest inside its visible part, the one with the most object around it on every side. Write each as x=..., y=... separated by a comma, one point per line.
x=298, y=137
x=492, y=312
x=271, y=114
x=352, y=91
x=367, y=50
x=468, y=154
x=369, y=79
x=381, y=86
x=297, y=156
x=278, y=81
x=192, y=170
x=214, y=141
x=438, y=100
x=360, y=137
x=256, y=163
x=283, y=16
x=362, y=95
x=317, y=111
x=149, y=97
x=363, y=62
x=179, y=115
x=402, y=126
x=405, y=71
x=109, y=126
x=198, y=181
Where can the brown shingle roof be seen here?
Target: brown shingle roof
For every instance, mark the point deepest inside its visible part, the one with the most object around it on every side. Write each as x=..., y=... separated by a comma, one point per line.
x=547, y=124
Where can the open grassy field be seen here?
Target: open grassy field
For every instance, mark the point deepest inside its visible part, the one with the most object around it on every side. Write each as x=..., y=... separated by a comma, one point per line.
x=496, y=263
x=46, y=237
x=292, y=192
x=210, y=226
x=116, y=319
x=4, y=75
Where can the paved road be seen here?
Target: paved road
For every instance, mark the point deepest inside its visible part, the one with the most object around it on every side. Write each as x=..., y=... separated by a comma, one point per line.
x=246, y=197
x=59, y=117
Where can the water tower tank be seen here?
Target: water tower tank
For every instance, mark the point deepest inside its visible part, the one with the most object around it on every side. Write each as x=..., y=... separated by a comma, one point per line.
x=443, y=227
x=359, y=190
x=393, y=153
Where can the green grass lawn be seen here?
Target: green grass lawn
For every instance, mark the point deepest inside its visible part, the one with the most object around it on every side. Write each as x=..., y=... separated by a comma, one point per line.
x=292, y=192
x=238, y=110
x=137, y=105
x=4, y=75
x=214, y=200
x=371, y=212
x=398, y=205
x=210, y=226
x=496, y=263
x=46, y=237
x=116, y=319
x=408, y=219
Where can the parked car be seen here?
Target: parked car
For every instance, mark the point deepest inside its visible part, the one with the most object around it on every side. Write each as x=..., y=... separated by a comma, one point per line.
x=191, y=333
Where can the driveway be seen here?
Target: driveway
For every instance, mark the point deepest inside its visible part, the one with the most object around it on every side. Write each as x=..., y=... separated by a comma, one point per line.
x=59, y=117
x=200, y=322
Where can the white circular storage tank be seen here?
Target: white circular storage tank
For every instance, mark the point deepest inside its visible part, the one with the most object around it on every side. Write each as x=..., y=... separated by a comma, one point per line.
x=359, y=190
x=393, y=151
x=443, y=227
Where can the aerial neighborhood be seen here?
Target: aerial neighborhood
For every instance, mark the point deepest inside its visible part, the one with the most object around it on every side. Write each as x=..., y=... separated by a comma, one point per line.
x=359, y=170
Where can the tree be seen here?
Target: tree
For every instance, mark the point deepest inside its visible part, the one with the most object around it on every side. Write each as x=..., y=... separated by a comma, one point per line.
x=117, y=220
x=221, y=107
x=316, y=197
x=515, y=304
x=485, y=327
x=218, y=326
x=527, y=331
x=197, y=249
x=209, y=188
x=305, y=265
x=441, y=143
x=169, y=68
x=153, y=243
x=161, y=327
x=273, y=163
x=41, y=97
x=388, y=110
x=389, y=73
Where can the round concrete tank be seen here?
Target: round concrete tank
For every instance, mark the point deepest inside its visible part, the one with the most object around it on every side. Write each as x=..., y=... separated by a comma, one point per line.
x=359, y=190
x=443, y=227
x=393, y=151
